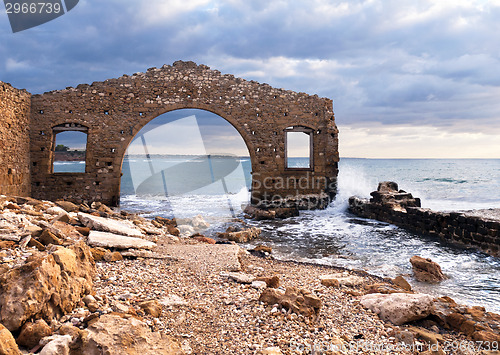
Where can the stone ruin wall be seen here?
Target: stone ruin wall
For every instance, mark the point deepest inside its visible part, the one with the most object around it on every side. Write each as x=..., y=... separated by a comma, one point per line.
x=115, y=110
x=453, y=227
x=14, y=141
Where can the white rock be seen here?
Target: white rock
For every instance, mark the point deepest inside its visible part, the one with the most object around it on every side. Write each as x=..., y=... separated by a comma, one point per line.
x=398, y=308
x=9, y=236
x=259, y=285
x=173, y=300
x=239, y=277
x=109, y=225
x=343, y=279
x=56, y=345
x=55, y=210
x=110, y=240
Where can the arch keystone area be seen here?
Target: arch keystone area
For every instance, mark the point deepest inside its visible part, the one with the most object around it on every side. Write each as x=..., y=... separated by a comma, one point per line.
x=114, y=111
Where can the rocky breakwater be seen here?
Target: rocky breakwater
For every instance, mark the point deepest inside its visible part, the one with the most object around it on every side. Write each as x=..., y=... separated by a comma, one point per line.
x=47, y=271
x=472, y=229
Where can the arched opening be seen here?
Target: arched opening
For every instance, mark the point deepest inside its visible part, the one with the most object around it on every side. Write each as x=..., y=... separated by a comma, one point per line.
x=184, y=163
x=69, y=148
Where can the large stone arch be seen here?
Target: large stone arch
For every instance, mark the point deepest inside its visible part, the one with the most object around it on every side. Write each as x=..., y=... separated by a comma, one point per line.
x=243, y=134
x=115, y=110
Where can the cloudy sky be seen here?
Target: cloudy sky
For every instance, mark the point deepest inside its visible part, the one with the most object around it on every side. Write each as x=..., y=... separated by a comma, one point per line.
x=408, y=78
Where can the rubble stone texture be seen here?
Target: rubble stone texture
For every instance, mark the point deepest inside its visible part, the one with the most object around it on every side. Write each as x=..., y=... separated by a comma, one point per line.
x=115, y=110
x=14, y=141
x=49, y=284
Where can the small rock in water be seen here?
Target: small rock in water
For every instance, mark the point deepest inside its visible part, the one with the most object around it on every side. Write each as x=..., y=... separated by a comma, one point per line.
x=426, y=270
x=401, y=282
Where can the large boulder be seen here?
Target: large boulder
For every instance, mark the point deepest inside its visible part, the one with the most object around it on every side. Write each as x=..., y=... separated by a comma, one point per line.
x=426, y=270
x=115, y=334
x=48, y=284
x=109, y=225
x=111, y=240
x=8, y=345
x=399, y=308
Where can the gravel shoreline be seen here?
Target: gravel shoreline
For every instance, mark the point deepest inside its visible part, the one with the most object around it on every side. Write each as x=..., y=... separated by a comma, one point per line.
x=212, y=314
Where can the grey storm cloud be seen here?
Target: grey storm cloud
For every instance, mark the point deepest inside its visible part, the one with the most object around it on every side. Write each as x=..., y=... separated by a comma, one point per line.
x=392, y=62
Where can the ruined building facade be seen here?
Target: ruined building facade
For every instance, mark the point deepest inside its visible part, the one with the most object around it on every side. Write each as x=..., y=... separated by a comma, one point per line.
x=112, y=112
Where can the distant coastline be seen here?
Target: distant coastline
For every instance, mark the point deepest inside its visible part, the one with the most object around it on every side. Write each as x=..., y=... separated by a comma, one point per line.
x=74, y=155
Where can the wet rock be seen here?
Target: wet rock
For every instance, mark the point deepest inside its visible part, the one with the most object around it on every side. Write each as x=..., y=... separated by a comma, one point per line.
x=285, y=212
x=296, y=300
x=49, y=284
x=259, y=214
x=8, y=345
x=398, y=308
x=170, y=224
x=262, y=249
x=109, y=225
x=121, y=334
x=32, y=333
x=387, y=194
x=111, y=240
x=426, y=270
x=243, y=236
x=401, y=282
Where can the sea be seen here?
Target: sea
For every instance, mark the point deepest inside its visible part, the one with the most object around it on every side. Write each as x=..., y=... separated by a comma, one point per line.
x=185, y=186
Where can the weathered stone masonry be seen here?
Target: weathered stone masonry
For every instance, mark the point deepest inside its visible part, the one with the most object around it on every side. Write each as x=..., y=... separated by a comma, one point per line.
x=112, y=113
x=14, y=141
x=401, y=209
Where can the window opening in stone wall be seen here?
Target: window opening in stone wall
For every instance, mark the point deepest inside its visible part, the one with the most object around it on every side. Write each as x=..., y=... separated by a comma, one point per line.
x=70, y=148
x=298, y=148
